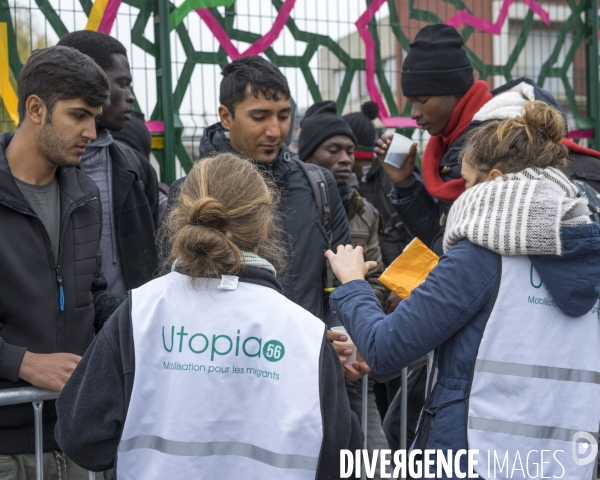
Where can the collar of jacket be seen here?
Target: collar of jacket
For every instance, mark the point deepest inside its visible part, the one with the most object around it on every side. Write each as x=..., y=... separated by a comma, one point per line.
x=259, y=276
x=215, y=139
x=72, y=181
x=354, y=206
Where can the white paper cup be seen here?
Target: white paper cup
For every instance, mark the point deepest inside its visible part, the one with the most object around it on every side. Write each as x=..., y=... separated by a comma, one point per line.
x=348, y=344
x=398, y=150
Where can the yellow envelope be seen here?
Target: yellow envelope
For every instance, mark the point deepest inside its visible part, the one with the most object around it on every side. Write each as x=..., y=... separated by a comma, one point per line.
x=410, y=269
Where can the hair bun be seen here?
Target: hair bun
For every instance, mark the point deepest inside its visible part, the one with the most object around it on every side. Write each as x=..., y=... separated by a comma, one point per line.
x=209, y=212
x=370, y=109
x=544, y=119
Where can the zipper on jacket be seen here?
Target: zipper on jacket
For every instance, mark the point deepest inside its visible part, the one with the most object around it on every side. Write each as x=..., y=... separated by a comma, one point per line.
x=61, y=292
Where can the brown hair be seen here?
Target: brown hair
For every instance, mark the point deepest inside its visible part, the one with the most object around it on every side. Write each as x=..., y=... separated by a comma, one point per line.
x=225, y=207
x=514, y=144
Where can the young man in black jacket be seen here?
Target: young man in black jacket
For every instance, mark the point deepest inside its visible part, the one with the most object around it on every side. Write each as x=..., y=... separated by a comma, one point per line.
x=255, y=119
x=50, y=221
x=127, y=182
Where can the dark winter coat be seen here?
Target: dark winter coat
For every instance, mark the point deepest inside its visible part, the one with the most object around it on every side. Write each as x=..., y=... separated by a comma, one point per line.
x=31, y=317
x=305, y=279
x=135, y=210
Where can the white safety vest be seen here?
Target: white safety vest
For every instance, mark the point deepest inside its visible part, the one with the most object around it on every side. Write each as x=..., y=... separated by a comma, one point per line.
x=536, y=385
x=226, y=384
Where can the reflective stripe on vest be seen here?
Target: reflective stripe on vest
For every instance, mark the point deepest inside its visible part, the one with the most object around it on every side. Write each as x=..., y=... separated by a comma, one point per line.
x=536, y=384
x=226, y=384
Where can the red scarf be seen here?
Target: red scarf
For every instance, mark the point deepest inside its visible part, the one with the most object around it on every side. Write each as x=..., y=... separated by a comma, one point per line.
x=576, y=148
x=462, y=115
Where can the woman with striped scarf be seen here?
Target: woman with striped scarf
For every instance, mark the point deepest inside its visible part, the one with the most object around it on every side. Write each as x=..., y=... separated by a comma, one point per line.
x=516, y=371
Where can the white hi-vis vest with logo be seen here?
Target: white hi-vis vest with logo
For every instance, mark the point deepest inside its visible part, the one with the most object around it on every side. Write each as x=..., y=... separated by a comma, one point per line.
x=536, y=383
x=226, y=384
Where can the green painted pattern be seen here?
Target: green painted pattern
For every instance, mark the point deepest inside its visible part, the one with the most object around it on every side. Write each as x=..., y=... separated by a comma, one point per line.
x=578, y=26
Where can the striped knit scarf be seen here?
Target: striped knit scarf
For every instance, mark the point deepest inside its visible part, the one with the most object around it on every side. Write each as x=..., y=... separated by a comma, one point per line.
x=518, y=213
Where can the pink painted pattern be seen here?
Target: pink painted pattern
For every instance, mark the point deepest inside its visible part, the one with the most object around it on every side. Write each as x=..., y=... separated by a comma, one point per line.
x=155, y=126
x=461, y=18
x=465, y=18
x=362, y=26
x=257, y=47
x=108, y=19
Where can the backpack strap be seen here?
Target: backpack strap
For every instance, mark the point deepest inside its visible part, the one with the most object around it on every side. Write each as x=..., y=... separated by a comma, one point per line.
x=318, y=183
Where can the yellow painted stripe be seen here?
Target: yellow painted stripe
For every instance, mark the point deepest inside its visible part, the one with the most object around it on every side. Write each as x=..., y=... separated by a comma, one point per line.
x=96, y=15
x=7, y=92
x=158, y=143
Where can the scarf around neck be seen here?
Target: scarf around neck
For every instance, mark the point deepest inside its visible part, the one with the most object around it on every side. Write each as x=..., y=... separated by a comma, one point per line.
x=518, y=213
x=251, y=259
x=461, y=118
x=347, y=191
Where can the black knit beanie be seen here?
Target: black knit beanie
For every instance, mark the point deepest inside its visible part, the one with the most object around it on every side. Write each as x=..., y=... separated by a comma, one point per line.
x=436, y=64
x=361, y=124
x=320, y=122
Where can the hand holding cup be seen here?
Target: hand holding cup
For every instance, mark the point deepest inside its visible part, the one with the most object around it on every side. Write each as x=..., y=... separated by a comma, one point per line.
x=403, y=174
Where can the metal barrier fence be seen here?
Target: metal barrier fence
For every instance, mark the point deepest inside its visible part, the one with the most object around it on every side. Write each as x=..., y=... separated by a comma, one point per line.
x=35, y=396
x=344, y=50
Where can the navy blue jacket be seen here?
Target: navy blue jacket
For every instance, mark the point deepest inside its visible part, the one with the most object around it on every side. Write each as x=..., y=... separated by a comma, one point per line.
x=449, y=311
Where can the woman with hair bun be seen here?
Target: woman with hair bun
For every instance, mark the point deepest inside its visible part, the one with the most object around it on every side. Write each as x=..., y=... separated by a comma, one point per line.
x=516, y=366
x=210, y=372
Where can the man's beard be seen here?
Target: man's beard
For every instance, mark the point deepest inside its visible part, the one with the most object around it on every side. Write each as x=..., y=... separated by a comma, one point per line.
x=53, y=148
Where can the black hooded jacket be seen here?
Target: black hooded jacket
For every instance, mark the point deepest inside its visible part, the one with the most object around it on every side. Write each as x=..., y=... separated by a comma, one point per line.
x=304, y=281
x=31, y=317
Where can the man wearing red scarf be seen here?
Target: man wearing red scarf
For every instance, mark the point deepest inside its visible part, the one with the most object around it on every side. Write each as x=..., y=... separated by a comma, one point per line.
x=437, y=78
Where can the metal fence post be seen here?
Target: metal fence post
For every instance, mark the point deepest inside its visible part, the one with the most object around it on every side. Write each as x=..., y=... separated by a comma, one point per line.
x=403, y=410
x=35, y=396
x=166, y=91
x=39, y=440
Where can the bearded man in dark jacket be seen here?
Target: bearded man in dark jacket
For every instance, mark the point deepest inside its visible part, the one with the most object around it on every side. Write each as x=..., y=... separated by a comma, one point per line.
x=255, y=114
x=50, y=222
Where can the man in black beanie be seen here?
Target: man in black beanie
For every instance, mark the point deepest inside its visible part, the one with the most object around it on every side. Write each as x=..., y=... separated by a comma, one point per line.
x=437, y=78
x=328, y=141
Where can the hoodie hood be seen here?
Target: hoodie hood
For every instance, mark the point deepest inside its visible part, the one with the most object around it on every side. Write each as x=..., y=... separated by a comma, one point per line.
x=214, y=139
x=573, y=278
